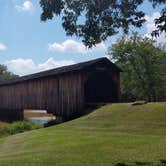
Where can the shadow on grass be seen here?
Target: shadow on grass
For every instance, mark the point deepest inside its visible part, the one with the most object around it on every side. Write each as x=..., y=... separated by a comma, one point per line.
x=89, y=108
x=137, y=163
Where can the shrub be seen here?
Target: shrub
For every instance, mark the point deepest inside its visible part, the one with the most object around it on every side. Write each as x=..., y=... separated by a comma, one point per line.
x=18, y=127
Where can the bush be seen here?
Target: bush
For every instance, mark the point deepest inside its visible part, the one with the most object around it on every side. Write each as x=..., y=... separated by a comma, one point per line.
x=18, y=127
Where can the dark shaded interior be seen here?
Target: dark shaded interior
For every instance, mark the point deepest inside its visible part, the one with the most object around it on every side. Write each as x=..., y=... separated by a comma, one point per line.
x=100, y=88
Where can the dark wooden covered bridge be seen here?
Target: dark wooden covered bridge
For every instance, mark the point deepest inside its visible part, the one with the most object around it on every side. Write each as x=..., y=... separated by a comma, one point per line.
x=62, y=91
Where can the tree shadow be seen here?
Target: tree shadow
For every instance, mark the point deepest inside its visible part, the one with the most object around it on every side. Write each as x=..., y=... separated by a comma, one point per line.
x=162, y=162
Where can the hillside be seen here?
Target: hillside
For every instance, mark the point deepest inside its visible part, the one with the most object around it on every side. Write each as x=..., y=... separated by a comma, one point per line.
x=117, y=135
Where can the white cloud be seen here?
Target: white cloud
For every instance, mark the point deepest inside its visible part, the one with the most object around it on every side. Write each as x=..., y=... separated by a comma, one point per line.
x=73, y=46
x=3, y=47
x=27, y=6
x=28, y=66
x=150, y=26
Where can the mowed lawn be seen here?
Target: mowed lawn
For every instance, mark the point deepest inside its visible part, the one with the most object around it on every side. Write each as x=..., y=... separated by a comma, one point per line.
x=113, y=135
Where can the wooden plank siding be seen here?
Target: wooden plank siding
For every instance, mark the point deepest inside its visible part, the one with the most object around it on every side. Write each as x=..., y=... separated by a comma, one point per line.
x=61, y=95
x=60, y=91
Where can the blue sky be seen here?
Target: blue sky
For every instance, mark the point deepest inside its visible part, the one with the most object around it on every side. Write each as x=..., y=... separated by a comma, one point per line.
x=28, y=45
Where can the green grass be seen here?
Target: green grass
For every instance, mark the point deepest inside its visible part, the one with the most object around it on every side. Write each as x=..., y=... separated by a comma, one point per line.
x=113, y=135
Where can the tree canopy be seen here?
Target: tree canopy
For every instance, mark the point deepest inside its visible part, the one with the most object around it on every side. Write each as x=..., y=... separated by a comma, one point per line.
x=143, y=66
x=95, y=20
x=5, y=74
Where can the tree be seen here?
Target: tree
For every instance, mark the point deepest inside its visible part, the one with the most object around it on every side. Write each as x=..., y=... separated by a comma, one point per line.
x=5, y=74
x=102, y=18
x=161, y=21
x=143, y=67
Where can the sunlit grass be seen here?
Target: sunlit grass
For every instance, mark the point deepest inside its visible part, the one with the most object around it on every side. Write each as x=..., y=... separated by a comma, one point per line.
x=111, y=135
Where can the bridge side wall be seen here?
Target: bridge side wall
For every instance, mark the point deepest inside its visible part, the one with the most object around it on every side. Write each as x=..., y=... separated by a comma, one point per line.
x=61, y=95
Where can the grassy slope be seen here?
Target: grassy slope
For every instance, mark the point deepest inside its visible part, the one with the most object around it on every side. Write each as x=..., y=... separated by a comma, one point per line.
x=111, y=134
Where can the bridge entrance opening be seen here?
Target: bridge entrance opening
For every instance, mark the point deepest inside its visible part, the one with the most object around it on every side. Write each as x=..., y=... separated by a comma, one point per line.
x=99, y=88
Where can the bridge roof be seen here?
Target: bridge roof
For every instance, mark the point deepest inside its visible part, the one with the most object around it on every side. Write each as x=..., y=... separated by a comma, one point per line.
x=62, y=70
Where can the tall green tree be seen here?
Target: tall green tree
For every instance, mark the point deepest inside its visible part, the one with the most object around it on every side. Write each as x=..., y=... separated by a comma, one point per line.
x=144, y=68
x=95, y=20
x=5, y=74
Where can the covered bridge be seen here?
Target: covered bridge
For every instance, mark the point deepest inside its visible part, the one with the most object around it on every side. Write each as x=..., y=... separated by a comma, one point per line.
x=63, y=91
